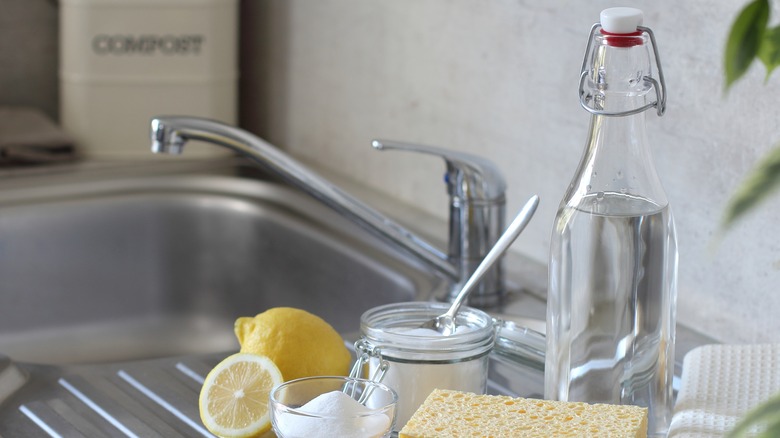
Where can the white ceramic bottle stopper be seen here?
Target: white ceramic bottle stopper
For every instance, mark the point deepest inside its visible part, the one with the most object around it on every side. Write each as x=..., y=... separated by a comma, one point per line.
x=621, y=20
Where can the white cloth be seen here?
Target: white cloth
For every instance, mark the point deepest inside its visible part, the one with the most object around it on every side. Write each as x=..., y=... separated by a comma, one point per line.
x=720, y=383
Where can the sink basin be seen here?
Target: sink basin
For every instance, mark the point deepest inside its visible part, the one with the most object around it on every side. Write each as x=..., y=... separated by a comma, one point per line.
x=135, y=268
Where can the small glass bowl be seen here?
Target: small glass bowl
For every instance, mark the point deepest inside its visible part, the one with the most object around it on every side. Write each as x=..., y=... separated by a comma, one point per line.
x=375, y=419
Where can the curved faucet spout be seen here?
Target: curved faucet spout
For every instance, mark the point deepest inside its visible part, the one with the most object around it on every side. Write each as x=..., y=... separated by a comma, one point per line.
x=170, y=134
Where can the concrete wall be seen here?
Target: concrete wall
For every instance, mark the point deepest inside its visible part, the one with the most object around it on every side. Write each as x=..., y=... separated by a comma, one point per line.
x=498, y=78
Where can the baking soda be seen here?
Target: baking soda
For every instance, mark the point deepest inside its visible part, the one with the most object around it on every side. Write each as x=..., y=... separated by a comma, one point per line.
x=421, y=360
x=420, y=331
x=334, y=414
x=415, y=380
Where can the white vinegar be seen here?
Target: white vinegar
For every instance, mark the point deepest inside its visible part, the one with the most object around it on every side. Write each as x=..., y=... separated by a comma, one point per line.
x=613, y=267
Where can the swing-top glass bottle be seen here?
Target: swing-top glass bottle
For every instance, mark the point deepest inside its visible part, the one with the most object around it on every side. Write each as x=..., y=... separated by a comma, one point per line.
x=613, y=258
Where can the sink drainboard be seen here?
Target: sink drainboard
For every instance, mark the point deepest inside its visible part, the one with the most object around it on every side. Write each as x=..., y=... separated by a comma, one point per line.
x=157, y=397
x=132, y=399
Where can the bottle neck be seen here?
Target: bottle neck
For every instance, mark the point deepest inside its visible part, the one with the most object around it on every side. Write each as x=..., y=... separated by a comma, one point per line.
x=618, y=161
x=623, y=138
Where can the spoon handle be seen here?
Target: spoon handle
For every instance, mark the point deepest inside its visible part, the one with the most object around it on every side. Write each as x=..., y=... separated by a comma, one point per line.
x=506, y=239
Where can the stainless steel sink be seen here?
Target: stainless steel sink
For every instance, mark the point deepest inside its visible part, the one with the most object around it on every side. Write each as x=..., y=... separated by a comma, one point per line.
x=119, y=291
x=132, y=268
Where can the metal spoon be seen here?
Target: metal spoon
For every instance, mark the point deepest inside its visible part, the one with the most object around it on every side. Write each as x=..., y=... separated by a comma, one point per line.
x=445, y=323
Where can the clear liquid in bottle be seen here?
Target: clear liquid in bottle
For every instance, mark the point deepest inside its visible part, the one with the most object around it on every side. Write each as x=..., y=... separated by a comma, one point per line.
x=616, y=256
x=613, y=255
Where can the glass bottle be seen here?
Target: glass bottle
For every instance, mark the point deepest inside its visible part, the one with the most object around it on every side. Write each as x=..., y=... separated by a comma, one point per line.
x=613, y=257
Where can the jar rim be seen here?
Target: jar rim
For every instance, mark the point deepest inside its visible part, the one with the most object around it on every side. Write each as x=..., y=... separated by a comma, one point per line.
x=375, y=322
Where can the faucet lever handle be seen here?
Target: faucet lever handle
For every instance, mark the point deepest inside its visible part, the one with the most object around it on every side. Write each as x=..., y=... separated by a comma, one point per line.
x=469, y=177
x=477, y=202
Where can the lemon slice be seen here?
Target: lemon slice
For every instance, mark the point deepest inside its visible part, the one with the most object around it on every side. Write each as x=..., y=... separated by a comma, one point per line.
x=234, y=397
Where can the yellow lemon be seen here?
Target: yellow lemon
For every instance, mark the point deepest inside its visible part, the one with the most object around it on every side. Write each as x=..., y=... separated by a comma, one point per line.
x=234, y=397
x=299, y=343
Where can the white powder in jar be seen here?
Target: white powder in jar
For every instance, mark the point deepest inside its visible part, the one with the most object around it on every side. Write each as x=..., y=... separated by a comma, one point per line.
x=415, y=380
x=333, y=414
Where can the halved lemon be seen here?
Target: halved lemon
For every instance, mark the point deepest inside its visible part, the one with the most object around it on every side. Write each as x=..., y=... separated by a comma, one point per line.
x=234, y=397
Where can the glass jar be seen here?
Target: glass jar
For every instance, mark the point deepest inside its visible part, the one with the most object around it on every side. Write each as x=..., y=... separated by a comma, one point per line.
x=418, y=364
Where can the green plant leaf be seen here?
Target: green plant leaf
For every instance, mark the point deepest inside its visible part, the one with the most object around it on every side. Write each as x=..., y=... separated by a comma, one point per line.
x=769, y=52
x=772, y=429
x=766, y=414
x=744, y=39
x=756, y=187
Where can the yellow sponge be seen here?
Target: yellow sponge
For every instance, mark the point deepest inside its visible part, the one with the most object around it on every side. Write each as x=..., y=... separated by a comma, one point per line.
x=448, y=413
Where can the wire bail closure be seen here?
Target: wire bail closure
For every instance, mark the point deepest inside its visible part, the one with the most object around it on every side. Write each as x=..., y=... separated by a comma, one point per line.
x=365, y=351
x=659, y=85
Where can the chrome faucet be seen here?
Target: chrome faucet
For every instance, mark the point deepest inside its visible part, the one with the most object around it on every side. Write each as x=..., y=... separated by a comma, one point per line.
x=475, y=185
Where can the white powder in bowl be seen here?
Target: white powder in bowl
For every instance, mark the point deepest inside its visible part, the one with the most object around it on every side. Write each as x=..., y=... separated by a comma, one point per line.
x=334, y=414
